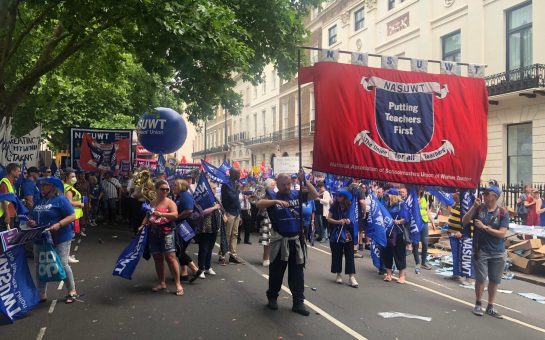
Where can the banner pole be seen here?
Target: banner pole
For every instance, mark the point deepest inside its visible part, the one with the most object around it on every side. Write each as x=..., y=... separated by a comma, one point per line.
x=300, y=139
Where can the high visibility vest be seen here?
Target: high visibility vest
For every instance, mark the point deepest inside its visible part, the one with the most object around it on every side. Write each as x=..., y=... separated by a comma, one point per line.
x=7, y=182
x=424, y=209
x=77, y=197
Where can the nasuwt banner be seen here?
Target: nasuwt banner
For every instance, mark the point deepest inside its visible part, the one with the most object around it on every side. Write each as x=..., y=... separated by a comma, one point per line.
x=100, y=149
x=409, y=127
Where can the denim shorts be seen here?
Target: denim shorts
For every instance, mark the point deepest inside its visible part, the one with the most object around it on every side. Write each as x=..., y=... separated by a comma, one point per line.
x=162, y=243
x=490, y=267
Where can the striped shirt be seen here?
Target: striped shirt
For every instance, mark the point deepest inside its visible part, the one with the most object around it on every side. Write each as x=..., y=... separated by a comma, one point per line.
x=110, y=187
x=454, y=220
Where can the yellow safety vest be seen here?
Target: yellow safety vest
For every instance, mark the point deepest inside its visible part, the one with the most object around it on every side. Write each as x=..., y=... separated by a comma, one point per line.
x=10, y=190
x=424, y=209
x=76, y=197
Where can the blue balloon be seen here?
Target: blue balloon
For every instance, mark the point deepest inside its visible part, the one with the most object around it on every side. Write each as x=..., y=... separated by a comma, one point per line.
x=162, y=132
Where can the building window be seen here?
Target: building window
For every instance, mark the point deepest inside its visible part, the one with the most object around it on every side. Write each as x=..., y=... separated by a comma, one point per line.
x=451, y=47
x=332, y=34
x=284, y=116
x=273, y=111
x=519, y=153
x=519, y=36
x=263, y=118
x=391, y=4
x=358, y=19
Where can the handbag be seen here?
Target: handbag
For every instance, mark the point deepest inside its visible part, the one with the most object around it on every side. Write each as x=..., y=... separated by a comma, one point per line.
x=185, y=231
x=50, y=268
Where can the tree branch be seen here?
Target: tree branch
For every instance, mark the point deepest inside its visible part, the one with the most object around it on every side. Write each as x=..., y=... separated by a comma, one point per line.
x=10, y=24
x=29, y=28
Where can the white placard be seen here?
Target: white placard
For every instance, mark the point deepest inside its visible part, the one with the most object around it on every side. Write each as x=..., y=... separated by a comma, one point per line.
x=288, y=165
x=389, y=62
x=419, y=65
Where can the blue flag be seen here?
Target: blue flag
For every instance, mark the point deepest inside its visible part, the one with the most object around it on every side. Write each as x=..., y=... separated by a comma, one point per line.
x=127, y=261
x=443, y=197
x=375, y=254
x=353, y=215
x=225, y=167
x=19, y=206
x=467, y=199
x=203, y=195
x=161, y=165
x=18, y=294
x=378, y=221
x=215, y=174
x=413, y=216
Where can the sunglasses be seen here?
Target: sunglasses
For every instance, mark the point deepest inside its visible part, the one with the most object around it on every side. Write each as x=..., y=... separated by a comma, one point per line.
x=164, y=189
x=48, y=171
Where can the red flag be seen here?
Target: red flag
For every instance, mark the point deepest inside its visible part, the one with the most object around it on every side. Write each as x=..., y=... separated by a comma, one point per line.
x=183, y=160
x=408, y=127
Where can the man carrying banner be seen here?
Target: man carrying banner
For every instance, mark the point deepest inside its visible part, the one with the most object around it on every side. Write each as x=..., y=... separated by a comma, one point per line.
x=287, y=243
x=491, y=224
x=7, y=209
x=231, y=203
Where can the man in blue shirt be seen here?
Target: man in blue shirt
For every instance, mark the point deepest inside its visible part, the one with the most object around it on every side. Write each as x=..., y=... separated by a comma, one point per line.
x=29, y=189
x=231, y=203
x=491, y=223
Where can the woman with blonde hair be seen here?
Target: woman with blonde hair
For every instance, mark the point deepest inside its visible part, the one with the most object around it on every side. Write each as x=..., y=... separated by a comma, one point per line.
x=395, y=245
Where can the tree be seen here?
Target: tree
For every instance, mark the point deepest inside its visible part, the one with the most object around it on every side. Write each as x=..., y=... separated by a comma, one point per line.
x=184, y=51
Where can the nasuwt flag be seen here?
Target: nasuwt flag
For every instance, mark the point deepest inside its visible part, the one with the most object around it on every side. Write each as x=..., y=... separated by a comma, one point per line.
x=442, y=196
x=378, y=220
x=95, y=155
x=129, y=258
x=415, y=222
x=215, y=174
x=409, y=127
x=203, y=195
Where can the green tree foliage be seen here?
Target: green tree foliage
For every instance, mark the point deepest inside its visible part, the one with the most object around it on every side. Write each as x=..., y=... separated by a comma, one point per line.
x=105, y=62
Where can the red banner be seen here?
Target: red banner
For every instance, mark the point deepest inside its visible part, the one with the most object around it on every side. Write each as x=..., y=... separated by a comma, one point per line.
x=95, y=156
x=398, y=126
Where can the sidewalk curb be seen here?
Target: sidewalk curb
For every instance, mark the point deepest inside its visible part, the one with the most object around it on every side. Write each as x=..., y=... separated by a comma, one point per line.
x=530, y=280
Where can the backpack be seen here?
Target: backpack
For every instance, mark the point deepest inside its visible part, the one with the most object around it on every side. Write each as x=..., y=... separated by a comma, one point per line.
x=521, y=208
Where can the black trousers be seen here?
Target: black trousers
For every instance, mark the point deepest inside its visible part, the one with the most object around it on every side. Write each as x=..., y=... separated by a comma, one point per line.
x=395, y=253
x=206, y=245
x=246, y=218
x=296, y=279
x=181, y=247
x=337, y=252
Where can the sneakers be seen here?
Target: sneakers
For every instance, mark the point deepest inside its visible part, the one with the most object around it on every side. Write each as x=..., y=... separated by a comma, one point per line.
x=83, y=234
x=222, y=261
x=492, y=312
x=417, y=270
x=72, y=259
x=272, y=304
x=468, y=282
x=210, y=272
x=360, y=247
x=358, y=255
x=235, y=260
x=202, y=276
x=367, y=246
x=353, y=282
x=426, y=266
x=300, y=309
x=478, y=310
x=339, y=278
x=266, y=263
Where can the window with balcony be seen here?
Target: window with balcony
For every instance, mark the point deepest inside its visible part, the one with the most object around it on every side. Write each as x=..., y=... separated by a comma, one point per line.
x=273, y=113
x=358, y=19
x=284, y=116
x=255, y=124
x=519, y=153
x=332, y=35
x=451, y=50
x=519, y=36
x=264, y=120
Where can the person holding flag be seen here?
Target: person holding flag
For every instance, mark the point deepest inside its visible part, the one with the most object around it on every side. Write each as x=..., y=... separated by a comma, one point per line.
x=29, y=189
x=287, y=245
x=395, y=245
x=7, y=209
x=341, y=238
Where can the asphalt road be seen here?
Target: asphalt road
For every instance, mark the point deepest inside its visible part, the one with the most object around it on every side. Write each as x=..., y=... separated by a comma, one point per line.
x=231, y=305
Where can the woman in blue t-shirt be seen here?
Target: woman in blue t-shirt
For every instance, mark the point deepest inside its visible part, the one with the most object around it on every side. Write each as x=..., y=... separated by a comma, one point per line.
x=341, y=238
x=395, y=245
x=55, y=211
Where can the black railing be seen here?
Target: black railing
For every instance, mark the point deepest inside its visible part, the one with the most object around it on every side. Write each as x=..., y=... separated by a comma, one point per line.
x=220, y=148
x=523, y=78
x=282, y=135
x=237, y=137
x=511, y=195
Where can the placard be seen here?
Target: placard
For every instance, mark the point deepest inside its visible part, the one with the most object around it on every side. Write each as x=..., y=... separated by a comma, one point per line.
x=288, y=165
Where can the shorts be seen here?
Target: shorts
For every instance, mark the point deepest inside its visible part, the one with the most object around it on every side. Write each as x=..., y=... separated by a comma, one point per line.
x=489, y=267
x=162, y=243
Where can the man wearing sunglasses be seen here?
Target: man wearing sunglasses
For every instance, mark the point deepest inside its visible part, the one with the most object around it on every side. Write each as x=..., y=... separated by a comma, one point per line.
x=491, y=223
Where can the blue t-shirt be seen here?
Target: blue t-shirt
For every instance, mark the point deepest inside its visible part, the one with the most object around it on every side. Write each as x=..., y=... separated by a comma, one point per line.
x=96, y=190
x=487, y=243
x=29, y=188
x=185, y=201
x=308, y=209
x=48, y=211
x=340, y=233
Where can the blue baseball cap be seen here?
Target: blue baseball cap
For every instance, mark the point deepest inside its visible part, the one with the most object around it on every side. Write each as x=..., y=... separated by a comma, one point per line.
x=493, y=189
x=392, y=191
x=346, y=193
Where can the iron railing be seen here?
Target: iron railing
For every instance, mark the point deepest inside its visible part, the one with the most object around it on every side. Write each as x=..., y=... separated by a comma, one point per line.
x=282, y=135
x=220, y=148
x=523, y=78
x=511, y=194
x=237, y=137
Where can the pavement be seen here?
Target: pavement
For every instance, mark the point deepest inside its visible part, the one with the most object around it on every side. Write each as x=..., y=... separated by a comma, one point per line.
x=231, y=305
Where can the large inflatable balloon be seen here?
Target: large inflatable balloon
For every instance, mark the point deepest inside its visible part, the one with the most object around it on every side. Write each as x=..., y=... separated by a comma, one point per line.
x=163, y=131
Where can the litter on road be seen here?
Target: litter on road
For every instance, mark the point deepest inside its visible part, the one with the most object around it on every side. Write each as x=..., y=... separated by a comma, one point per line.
x=389, y=315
